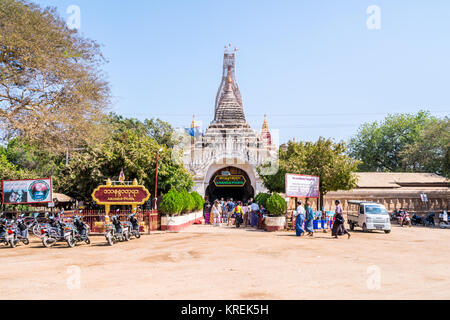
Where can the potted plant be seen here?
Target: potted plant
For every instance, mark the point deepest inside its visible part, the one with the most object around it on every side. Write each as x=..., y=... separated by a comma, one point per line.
x=276, y=207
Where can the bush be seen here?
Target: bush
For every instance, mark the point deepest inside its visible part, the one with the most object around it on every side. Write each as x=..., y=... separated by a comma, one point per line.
x=198, y=199
x=261, y=198
x=172, y=202
x=276, y=205
x=188, y=201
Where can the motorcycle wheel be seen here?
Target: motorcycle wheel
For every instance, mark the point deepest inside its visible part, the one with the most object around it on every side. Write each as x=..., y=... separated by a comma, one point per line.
x=26, y=242
x=109, y=239
x=87, y=240
x=126, y=236
x=47, y=242
x=71, y=242
x=137, y=235
x=36, y=230
x=12, y=243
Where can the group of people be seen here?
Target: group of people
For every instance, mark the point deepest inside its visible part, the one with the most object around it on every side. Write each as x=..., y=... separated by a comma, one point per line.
x=250, y=213
x=306, y=213
x=237, y=213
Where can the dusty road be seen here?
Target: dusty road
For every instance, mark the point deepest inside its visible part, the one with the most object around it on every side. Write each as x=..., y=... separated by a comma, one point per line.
x=203, y=262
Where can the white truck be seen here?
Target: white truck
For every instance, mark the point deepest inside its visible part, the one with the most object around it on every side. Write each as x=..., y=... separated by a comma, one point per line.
x=368, y=216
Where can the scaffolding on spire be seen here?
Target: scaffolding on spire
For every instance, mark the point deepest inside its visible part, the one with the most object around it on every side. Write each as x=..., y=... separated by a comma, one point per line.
x=229, y=67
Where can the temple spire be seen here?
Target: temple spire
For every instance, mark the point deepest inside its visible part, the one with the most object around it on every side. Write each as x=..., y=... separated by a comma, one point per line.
x=229, y=108
x=265, y=132
x=228, y=70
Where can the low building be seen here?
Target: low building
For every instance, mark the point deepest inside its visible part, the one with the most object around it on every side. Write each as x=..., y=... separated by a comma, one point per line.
x=397, y=190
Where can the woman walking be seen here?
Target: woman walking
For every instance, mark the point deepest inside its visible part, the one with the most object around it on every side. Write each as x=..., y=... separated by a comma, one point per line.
x=338, y=226
x=309, y=219
x=300, y=218
x=215, y=213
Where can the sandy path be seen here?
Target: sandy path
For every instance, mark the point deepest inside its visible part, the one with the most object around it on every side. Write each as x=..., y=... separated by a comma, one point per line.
x=203, y=262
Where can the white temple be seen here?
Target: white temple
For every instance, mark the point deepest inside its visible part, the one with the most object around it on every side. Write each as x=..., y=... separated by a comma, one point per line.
x=229, y=148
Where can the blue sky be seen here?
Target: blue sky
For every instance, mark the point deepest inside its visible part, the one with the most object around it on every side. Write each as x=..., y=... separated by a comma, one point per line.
x=312, y=66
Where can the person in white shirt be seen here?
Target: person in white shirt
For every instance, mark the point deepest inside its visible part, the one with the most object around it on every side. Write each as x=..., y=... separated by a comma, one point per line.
x=215, y=211
x=444, y=216
x=300, y=215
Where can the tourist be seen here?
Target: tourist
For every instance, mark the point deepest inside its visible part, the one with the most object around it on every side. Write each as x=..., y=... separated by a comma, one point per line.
x=245, y=211
x=215, y=212
x=230, y=210
x=206, y=208
x=309, y=219
x=223, y=210
x=254, y=209
x=338, y=226
x=238, y=214
x=300, y=218
x=261, y=217
x=249, y=211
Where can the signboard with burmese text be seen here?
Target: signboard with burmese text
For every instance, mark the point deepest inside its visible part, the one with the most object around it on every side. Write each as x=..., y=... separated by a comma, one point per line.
x=302, y=186
x=120, y=195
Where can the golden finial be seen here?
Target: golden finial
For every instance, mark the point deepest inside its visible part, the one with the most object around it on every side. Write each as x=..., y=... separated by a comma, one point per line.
x=229, y=79
x=265, y=126
x=193, y=121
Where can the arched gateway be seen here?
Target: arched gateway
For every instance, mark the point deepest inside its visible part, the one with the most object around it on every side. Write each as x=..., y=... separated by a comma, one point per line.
x=223, y=161
x=230, y=182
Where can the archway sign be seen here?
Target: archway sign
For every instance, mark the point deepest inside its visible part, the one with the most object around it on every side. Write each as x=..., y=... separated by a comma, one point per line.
x=110, y=194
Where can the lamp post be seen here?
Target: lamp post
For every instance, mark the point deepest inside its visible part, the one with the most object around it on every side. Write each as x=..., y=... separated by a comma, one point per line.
x=156, y=175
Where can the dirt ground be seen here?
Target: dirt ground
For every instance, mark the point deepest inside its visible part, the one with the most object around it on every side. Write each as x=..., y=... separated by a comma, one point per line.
x=203, y=262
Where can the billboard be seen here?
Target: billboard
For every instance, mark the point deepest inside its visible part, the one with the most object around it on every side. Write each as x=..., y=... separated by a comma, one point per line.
x=27, y=191
x=302, y=186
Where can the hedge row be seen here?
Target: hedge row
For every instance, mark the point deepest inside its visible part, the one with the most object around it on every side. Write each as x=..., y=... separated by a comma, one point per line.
x=176, y=202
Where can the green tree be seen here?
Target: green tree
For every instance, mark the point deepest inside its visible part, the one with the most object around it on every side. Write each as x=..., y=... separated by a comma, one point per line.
x=128, y=148
x=379, y=145
x=431, y=150
x=51, y=87
x=323, y=158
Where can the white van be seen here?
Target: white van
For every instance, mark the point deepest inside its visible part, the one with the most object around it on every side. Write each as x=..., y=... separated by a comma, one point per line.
x=368, y=216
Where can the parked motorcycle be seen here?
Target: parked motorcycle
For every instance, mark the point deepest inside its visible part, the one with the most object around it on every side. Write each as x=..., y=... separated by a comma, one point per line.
x=3, y=222
x=57, y=231
x=417, y=221
x=22, y=230
x=33, y=224
x=429, y=220
x=133, y=226
x=404, y=219
x=80, y=231
x=116, y=232
x=394, y=215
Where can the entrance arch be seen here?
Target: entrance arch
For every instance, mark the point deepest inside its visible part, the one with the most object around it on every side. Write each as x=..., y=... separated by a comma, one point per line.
x=240, y=192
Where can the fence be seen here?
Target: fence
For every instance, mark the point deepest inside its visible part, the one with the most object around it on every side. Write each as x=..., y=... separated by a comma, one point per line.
x=149, y=220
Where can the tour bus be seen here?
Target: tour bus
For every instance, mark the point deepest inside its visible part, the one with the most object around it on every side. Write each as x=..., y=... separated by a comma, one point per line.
x=368, y=216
